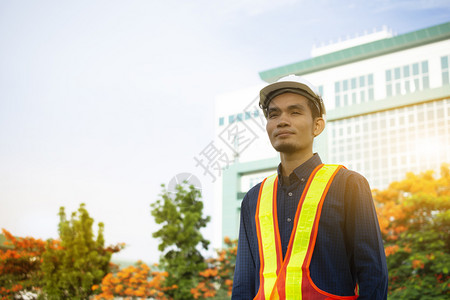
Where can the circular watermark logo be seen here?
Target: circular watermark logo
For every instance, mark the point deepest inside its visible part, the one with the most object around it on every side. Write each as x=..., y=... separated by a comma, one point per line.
x=188, y=178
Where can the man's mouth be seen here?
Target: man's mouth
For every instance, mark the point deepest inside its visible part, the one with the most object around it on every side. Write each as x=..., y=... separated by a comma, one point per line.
x=283, y=133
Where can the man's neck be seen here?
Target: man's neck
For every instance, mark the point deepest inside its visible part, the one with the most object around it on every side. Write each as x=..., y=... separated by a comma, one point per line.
x=290, y=161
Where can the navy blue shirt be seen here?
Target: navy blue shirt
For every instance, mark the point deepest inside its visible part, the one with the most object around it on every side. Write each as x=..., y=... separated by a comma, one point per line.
x=348, y=249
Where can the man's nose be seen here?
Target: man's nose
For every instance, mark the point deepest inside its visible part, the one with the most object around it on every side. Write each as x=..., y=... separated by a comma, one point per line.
x=283, y=120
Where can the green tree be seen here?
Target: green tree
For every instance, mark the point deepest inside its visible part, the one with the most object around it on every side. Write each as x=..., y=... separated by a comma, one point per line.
x=180, y=215
x=414, y=216
x=80, y=262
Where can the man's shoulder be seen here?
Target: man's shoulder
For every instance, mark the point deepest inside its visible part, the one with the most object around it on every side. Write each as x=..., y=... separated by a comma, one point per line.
x=251, y=197
x=350, y=176
x=253, y=192
x=349, y=173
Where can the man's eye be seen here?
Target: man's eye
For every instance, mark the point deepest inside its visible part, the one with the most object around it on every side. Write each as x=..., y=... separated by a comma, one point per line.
x=273, y=115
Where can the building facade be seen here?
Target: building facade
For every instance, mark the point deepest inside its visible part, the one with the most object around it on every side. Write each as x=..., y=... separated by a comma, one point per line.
x=388, y=113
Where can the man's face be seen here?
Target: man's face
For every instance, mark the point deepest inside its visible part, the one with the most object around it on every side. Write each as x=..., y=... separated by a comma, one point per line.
x=290, y=125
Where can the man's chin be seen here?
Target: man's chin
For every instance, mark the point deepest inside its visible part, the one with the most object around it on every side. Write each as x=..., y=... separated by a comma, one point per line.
x=286, y=148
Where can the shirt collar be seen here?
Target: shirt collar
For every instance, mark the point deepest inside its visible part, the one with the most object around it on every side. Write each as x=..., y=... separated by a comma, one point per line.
x=304, y=170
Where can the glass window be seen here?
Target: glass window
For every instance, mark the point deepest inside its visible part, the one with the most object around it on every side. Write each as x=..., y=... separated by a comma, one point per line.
x=256, y=113
x=444, y=62
x=353, y=83
x=416, y=84
x=338, y=101
x=337, y=86
x=426, y=82
x=221, y=121
x=239, y=117
x=421, y=116
x=362, y=95
x=362, y=81
x=440, y=113
x=353, y=98
x=388, y=75
x=425, y=67
x=374, y=125
x=248, y=115
x=345, y=100
x=407, y=86
x=397, y=88
x=231, y=119
x=345, y=85
x=397, y=73
x=406, y=71
x=415, y=69
x=370, y=79
x=371, y=96
x=445, y=78
x=389, y=90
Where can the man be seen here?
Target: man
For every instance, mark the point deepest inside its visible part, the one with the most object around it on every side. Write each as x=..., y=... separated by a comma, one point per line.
x=310, y=231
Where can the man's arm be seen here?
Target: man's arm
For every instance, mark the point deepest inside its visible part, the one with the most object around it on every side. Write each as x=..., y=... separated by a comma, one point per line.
x=244, y=273
x=364, y=237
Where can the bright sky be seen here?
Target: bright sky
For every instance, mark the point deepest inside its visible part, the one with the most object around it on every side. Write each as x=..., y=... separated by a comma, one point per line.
x=103, y=101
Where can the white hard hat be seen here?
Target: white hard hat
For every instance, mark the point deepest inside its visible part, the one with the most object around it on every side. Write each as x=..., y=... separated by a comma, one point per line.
x=292, y=83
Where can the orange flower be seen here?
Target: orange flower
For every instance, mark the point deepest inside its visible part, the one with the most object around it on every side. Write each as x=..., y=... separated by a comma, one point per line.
x=129, y=292
x=16, y=288
x=118, y=288
x=210, y=293
x=209, y=273
x=389, y=250
x=417, y=264
x=195, y=293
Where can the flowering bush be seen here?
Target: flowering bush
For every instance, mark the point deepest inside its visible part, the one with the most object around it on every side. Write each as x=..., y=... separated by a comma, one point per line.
x=133, y=281
x=414, y=217
x=20, y=264
x=218, y=277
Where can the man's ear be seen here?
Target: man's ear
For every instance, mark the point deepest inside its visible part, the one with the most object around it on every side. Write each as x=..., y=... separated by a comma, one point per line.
x=319, y=126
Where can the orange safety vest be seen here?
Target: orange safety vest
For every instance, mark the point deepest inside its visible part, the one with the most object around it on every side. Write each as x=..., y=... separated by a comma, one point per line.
x=290, y=278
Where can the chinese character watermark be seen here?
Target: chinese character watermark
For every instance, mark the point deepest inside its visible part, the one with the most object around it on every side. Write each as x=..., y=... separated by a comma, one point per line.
x=237, y=136
x=258, y=116
x=211, y=160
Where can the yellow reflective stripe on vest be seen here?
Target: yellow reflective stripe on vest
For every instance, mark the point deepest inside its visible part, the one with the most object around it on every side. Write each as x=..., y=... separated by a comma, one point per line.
x=304, y=229
x=265, y=217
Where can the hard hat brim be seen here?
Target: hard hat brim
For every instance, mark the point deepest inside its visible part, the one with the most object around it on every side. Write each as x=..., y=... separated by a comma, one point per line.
x=284, y=85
